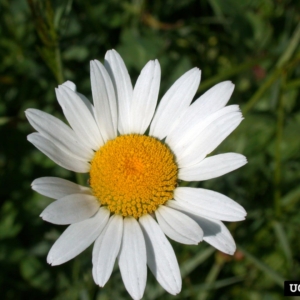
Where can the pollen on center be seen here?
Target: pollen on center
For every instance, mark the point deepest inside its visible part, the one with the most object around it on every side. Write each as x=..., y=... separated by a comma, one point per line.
x=133, y=174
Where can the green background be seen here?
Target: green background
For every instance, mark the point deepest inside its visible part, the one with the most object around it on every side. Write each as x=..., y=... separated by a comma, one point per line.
x=253, y=43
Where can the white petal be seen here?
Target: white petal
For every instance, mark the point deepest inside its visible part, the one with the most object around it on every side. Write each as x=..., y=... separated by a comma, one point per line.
x=117, y=70
x=106, y=249
x=178, y=226
x=209, y=204
x=161, y=258
x=212, y=136
x=215, y=232
x=180, y=143
x=79, y=117
x=104, y=98
x=212, y=167
x=145, y=95
x=174, y=104
x=58, y=133
x=71, y=85
x=132, y=258
x=71, y=209
x=56, y=188
x=57, y=155
x=213, y=100
x=88, y=104
x=77, y=237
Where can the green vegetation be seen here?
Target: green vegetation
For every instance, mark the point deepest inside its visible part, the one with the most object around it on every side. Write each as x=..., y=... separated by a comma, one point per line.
x=253, y=43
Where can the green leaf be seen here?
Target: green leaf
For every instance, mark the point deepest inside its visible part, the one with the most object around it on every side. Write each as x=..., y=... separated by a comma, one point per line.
x=277, y=278
x=284, y=243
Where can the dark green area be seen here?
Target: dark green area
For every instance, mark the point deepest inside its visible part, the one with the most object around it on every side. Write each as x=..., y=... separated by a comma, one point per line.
x=254, y=43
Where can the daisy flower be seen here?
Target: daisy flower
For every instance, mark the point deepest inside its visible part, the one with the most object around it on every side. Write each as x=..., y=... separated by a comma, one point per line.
x=135, y=155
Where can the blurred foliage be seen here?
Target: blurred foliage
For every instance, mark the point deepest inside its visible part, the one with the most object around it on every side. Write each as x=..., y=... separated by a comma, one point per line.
x=254, y=43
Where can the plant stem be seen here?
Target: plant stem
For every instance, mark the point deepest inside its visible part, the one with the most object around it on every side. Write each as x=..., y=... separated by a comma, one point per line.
x=59, y=68
x=279, y=133
x=211, y=277
x=227, y=74
x=270, y=80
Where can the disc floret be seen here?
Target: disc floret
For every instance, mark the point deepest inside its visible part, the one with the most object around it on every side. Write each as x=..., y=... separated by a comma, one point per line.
x=133, y=174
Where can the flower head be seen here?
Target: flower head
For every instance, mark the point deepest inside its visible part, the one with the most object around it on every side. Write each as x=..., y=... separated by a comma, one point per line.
x=134, y=201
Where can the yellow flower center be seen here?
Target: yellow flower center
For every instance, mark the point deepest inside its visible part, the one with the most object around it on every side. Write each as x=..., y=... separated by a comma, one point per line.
x=133, y=174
